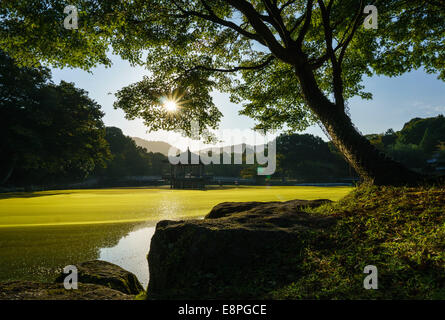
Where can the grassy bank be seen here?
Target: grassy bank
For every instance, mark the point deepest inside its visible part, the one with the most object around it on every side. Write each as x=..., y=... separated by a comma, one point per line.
x=399, y=230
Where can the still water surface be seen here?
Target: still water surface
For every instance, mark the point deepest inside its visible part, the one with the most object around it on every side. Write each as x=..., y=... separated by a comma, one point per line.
x=40, y=233
x=130, y=253
x=40, y=253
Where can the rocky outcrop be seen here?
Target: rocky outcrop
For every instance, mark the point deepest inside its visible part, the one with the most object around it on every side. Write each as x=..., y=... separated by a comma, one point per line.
x=97, y=280
x=227, y=208
x=107, y=274
x=240, y=250
x=29, y=290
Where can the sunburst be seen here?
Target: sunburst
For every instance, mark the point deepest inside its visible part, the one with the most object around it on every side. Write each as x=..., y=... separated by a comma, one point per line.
x=170, y=105
x=171, y=102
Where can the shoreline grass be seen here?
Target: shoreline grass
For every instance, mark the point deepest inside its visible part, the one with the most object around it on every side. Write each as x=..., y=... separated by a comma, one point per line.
x=400, y=230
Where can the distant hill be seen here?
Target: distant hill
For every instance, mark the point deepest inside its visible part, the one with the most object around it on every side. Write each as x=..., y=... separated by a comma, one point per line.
x=414, y=130
x=153, y=146
x=163, y=147
x=243, y=148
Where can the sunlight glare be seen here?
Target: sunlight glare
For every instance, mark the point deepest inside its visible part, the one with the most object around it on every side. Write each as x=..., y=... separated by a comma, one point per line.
x=171, y=105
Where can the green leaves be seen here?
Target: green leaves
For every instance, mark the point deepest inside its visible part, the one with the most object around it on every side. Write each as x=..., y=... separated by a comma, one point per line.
x=171, y=38
x=412, y=36
x=146, y=99
x=47, y=130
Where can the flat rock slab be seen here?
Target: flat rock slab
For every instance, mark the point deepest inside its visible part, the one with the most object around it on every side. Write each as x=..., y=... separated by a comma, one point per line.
x=106, y=274
x=240, y=250
x=29, y=290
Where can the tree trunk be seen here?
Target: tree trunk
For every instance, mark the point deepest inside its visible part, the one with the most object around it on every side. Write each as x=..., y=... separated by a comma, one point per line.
x=9, y=172
x=372, y=165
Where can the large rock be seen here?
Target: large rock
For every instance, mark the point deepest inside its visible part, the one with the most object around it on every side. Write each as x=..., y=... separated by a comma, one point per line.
x=29, y=290
x=241, y=250
x=107, y=274
x=227, y=208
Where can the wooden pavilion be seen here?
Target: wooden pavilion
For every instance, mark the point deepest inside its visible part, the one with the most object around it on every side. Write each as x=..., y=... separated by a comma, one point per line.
x=188, y=175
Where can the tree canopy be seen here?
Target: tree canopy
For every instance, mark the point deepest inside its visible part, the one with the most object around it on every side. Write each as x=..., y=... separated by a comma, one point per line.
x=47, y=130
x=290, y=63
x=185, y=43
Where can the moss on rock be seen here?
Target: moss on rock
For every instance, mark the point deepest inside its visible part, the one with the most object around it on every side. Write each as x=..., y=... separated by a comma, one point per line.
x=107, y=274
x=29, y=290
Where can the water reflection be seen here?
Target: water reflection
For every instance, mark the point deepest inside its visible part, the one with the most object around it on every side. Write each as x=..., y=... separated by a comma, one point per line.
x=40, y=253
x=131, y=253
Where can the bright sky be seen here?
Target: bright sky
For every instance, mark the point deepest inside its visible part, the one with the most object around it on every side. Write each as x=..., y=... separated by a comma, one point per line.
x=395, y=101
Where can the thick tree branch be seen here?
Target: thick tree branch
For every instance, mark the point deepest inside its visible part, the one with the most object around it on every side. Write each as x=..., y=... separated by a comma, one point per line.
x=336, y=67
x=235, y=69
x=306, y=24
x=356, y=24
x=277, y=21
x=257, y=23
x=327, y=31
x=214, y=18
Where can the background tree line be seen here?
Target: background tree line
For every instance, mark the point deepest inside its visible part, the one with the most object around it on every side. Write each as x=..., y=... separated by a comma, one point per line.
x=54, y=134
x=420, y=145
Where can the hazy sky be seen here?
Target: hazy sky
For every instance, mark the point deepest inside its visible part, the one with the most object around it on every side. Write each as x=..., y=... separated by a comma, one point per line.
x=395, y=101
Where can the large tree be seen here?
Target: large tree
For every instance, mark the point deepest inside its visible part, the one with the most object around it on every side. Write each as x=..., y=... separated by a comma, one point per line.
x=289, y=62
x=48, y=132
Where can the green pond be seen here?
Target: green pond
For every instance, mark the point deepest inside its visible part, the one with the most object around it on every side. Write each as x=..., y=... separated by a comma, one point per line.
x=41, y=232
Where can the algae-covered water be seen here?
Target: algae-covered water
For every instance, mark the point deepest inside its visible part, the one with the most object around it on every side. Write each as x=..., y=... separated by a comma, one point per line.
x=41, y=232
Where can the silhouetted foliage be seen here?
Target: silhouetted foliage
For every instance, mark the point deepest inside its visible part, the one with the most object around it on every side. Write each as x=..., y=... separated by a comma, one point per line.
x=128, y=159
x=420, y=140
x=308, y=157
x=50, y=133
